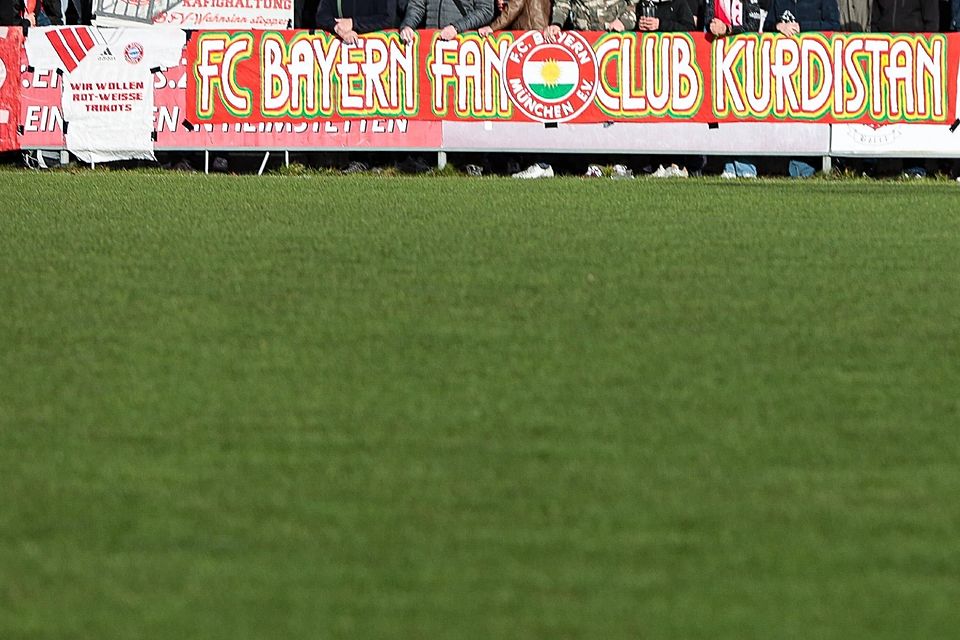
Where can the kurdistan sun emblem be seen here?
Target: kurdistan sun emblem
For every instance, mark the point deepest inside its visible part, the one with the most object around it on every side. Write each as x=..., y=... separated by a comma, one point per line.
x=550, y=72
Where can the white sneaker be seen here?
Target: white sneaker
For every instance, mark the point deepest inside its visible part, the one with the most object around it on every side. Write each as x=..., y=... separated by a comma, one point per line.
x=535, y=171
x=728, y=175
x=620, y=172
x=594, y=171
x=673, y=171
x=659, y=173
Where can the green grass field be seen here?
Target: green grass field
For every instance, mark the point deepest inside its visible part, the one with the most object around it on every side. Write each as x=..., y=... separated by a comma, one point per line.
x=317, y=407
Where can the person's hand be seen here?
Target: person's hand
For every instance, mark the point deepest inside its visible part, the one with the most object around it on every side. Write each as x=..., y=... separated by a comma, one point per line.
x=485, y=31
x=449, y=32
x=788, y=28
x=551, y=33
x=649, y=24
x=616, y=25
x=406, y=34
x=32, y=19
x=350, y=37
x=718, y=27
x=344, y=25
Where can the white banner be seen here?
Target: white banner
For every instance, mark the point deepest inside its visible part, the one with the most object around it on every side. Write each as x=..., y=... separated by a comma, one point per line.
x=196, y=14
x=749, y=138
x=895, y=140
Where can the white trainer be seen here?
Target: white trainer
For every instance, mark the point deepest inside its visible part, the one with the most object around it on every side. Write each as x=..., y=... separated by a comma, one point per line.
x=535, y=171
x=673, y=171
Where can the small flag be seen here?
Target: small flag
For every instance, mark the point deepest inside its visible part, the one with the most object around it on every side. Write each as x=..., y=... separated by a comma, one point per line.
x=551, y=73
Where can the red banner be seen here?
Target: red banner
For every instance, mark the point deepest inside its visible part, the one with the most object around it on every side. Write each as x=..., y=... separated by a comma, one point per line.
x=291, y=77
x=11, y=45
x=41, y=115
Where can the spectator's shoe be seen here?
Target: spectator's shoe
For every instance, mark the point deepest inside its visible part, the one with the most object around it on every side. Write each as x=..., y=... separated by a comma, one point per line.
x=659, y=173
x=534, y=171
x=356, y=167
x=738, y=169
x=594, y=171
x=620, y=172
x=915, y=172
x=411, y=165
x=474, y=170
x=673, y=171
x=219, y=165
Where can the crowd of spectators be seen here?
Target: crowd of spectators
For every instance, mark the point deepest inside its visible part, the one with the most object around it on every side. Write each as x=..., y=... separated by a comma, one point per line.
x=346, y=18
x=720, y=17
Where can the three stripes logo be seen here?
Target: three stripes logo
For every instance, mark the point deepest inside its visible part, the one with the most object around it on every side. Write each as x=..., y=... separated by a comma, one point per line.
x=72, y=45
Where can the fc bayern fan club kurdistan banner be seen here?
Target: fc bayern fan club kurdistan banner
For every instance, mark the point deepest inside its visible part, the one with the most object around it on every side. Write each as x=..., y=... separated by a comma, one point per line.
x=109, y=94
x=588, y=77
x=195, y=14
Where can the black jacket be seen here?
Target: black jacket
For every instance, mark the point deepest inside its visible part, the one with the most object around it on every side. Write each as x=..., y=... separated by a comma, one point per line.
x=812, y=15
x=368, y=15
x=10, y=12
x=905, y=15
x=674, y=15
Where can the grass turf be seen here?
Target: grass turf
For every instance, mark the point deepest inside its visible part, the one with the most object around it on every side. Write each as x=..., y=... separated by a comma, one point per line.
x=442, y=408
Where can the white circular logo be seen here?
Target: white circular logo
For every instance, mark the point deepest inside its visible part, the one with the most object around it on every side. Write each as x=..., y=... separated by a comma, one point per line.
x=551, y=81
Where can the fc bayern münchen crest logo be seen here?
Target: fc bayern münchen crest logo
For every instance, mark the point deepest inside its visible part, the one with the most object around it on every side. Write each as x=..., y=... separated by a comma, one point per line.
x=133, y=53
x=551, y=81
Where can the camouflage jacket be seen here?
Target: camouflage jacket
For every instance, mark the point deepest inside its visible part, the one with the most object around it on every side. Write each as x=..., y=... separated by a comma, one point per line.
x=593, y=15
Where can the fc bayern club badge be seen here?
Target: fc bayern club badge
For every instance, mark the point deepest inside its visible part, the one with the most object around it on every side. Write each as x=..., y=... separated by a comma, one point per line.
x=551, y=81
x=133, y=53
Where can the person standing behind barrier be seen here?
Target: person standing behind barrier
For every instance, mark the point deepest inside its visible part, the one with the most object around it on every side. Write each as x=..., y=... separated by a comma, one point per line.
x=724, y=18
x=79, y=12
x=592, y=15
x=521, y=15
x=669, y=16
x=790, y=17
x=922, y=16
x=349, y=18
x=449, y=16
x=665, y=16
x=855, y=15
x=731, y=17
x=32, y=13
